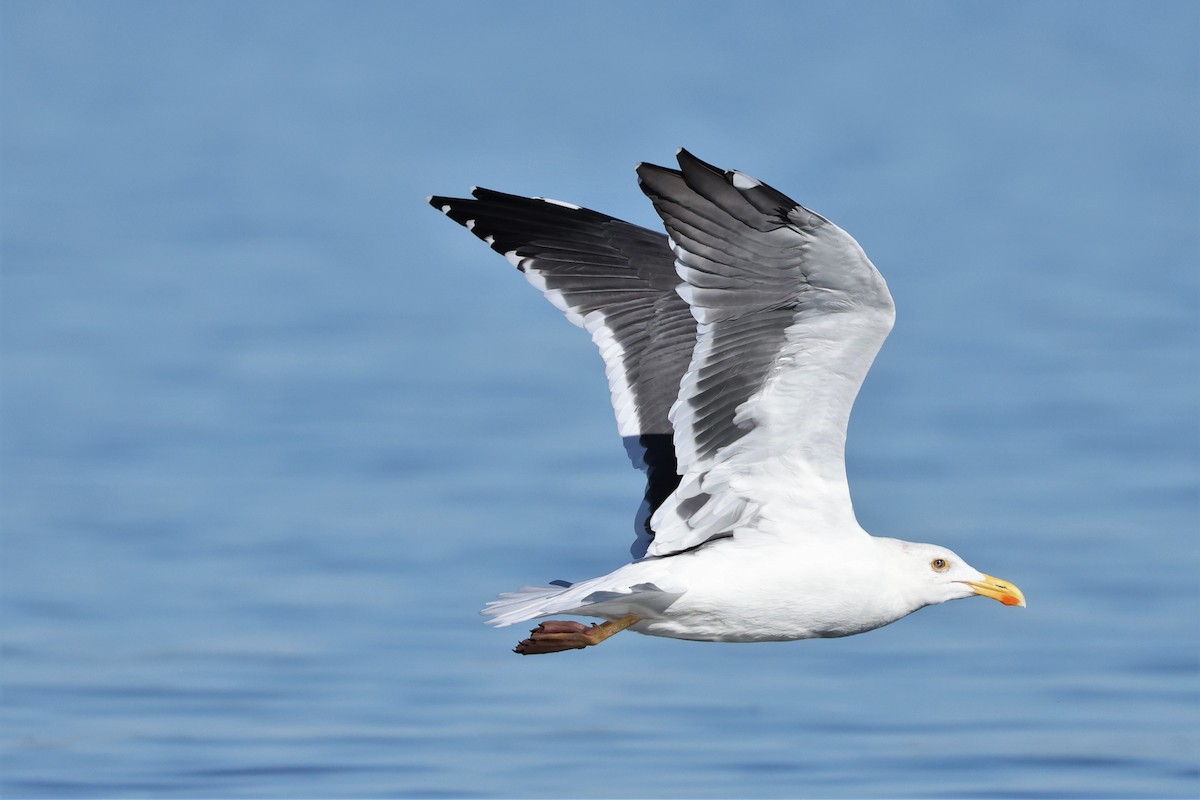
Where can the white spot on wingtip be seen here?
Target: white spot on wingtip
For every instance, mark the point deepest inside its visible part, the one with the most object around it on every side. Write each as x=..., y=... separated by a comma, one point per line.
x=740, y=180
x=470, y=224
x=562, y=203
x=446, y=208
x=489, y=240
x=532, y=275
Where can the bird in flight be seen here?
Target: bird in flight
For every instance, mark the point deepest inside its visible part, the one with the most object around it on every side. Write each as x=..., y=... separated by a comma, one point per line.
x=734, y=346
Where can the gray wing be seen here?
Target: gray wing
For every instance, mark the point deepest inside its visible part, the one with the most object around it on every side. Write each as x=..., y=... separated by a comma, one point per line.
x=790, y=316
x=616, y=280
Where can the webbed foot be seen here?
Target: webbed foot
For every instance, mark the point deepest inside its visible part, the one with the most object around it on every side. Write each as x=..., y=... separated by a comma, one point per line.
x=556, y=635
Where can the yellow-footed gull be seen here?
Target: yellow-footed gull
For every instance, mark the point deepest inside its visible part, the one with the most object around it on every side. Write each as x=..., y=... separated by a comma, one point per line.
x=734, y=346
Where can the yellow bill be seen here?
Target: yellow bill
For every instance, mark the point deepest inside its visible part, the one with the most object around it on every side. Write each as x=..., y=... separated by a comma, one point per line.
x=997, y=589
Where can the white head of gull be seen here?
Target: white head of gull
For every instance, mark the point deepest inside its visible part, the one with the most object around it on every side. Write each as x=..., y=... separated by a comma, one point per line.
x=734, y=347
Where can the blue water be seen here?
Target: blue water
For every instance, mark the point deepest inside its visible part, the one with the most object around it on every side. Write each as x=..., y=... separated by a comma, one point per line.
x=272, y=430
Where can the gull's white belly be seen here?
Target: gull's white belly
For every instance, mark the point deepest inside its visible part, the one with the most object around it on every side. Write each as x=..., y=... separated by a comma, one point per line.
x=732, y=593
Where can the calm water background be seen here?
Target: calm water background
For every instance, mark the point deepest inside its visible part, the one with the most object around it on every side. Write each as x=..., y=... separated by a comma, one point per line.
x=273, y=430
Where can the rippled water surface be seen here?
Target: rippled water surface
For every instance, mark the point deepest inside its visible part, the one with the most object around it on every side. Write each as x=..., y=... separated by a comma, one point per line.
x=273, y=430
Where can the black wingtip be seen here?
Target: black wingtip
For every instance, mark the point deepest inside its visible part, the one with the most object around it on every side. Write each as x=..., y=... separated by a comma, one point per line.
x=646, y=168
x=688, y=161
x=686, y=157
x=445, y=204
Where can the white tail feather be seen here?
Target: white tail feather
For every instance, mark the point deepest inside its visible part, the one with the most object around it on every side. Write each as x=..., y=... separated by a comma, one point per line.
x=525, y=603
x=634, y=588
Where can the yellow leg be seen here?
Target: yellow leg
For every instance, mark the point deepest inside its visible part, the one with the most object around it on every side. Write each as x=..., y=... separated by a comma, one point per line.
x=556, y=635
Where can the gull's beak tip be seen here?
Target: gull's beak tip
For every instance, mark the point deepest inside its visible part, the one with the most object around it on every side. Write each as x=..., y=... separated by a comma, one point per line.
x=997, y=589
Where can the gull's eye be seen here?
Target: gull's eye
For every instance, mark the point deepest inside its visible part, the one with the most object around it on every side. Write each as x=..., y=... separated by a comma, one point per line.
x=939, y=565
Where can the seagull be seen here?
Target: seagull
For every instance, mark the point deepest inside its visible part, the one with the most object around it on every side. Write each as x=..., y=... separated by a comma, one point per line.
x=734, y=347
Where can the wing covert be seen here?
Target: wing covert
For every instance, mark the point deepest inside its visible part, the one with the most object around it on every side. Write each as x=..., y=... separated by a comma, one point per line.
x=790, y=315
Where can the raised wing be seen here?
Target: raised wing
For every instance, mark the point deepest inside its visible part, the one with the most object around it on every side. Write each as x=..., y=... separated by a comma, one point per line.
x=790, y=316
x=617, y=281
